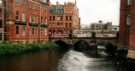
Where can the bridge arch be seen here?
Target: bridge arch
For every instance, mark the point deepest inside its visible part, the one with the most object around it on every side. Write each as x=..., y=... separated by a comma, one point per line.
x=61, y=43
x=81, y=45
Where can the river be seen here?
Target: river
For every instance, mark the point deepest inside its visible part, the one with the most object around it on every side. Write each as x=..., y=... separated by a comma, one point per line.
x=49, y=60
x=45, y=60
x=77, y=61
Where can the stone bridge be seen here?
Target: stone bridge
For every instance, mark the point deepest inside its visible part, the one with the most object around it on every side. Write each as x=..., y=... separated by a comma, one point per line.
x=73, y=40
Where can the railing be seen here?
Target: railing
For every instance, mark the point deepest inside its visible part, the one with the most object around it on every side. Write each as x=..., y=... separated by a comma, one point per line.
x=96, y=35
x=74, y=37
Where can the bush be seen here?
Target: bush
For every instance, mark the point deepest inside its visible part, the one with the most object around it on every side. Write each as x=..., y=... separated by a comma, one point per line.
x=11, y=48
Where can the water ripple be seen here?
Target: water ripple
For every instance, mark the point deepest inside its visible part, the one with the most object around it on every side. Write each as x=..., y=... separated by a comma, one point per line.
x=77, y=61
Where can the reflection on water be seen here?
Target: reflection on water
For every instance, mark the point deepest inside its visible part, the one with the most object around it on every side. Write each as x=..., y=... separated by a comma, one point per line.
x=37, y=61
x=48, y=60
x=77, y=61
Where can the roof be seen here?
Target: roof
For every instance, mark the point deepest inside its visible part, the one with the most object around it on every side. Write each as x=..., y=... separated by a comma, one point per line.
x=57, y=9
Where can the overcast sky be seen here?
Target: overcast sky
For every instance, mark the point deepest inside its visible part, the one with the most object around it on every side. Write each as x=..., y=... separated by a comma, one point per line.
x=95, y=10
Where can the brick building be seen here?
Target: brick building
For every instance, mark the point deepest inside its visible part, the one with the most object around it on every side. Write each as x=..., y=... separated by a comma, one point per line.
x=63, y=19
x=131, y=19
x=123, y=34
x=101, y=27
x=127, y=23
x=26, y=20
x=127, y=26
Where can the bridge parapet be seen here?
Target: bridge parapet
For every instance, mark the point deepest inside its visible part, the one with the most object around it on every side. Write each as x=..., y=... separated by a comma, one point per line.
x=88, y=39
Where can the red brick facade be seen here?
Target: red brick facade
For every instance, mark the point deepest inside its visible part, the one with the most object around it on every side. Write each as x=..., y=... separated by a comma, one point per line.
x=123, y=34
x=132, y=27
x=27, y=21
x=63, y=19
x=127, y=23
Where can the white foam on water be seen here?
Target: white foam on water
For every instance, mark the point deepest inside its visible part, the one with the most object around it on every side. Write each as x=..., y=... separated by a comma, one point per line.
x=74, y=61
x=77, y=61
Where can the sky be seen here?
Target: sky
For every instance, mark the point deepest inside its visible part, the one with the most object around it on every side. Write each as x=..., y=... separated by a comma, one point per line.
x=94, y=10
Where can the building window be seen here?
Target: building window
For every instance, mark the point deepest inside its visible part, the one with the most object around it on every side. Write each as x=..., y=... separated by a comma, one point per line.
x=33, y=30
x=17, y=15
x=32, y=19
x=128, y=20
x=58, y=11
x=23, y=27
x=105, y=27
x=58, y=23
x=61, y=18
x=42, y=20
x=23, y=18
x=0, y=23
x=129, y=2
x=66, y=17
x=17, y=29
x=70, y=17
x=53, y=17
x=70, y=25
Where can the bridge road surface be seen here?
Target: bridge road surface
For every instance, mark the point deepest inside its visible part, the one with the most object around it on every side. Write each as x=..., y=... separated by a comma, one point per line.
x=77, y=61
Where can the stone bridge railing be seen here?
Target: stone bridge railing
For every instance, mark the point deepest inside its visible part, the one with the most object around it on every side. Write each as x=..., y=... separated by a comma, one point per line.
x=99, y=40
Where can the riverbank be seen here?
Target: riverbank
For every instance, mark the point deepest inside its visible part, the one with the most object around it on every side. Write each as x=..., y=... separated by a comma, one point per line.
x=31, y=57
x=7, y=49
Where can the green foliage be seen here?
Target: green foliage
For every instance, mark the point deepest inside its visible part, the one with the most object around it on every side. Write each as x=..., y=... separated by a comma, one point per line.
x=11, y=48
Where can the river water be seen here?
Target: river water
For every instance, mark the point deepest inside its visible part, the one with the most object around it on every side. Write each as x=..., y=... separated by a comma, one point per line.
x=49, y=60
x=45, y=60
x=77, y=61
